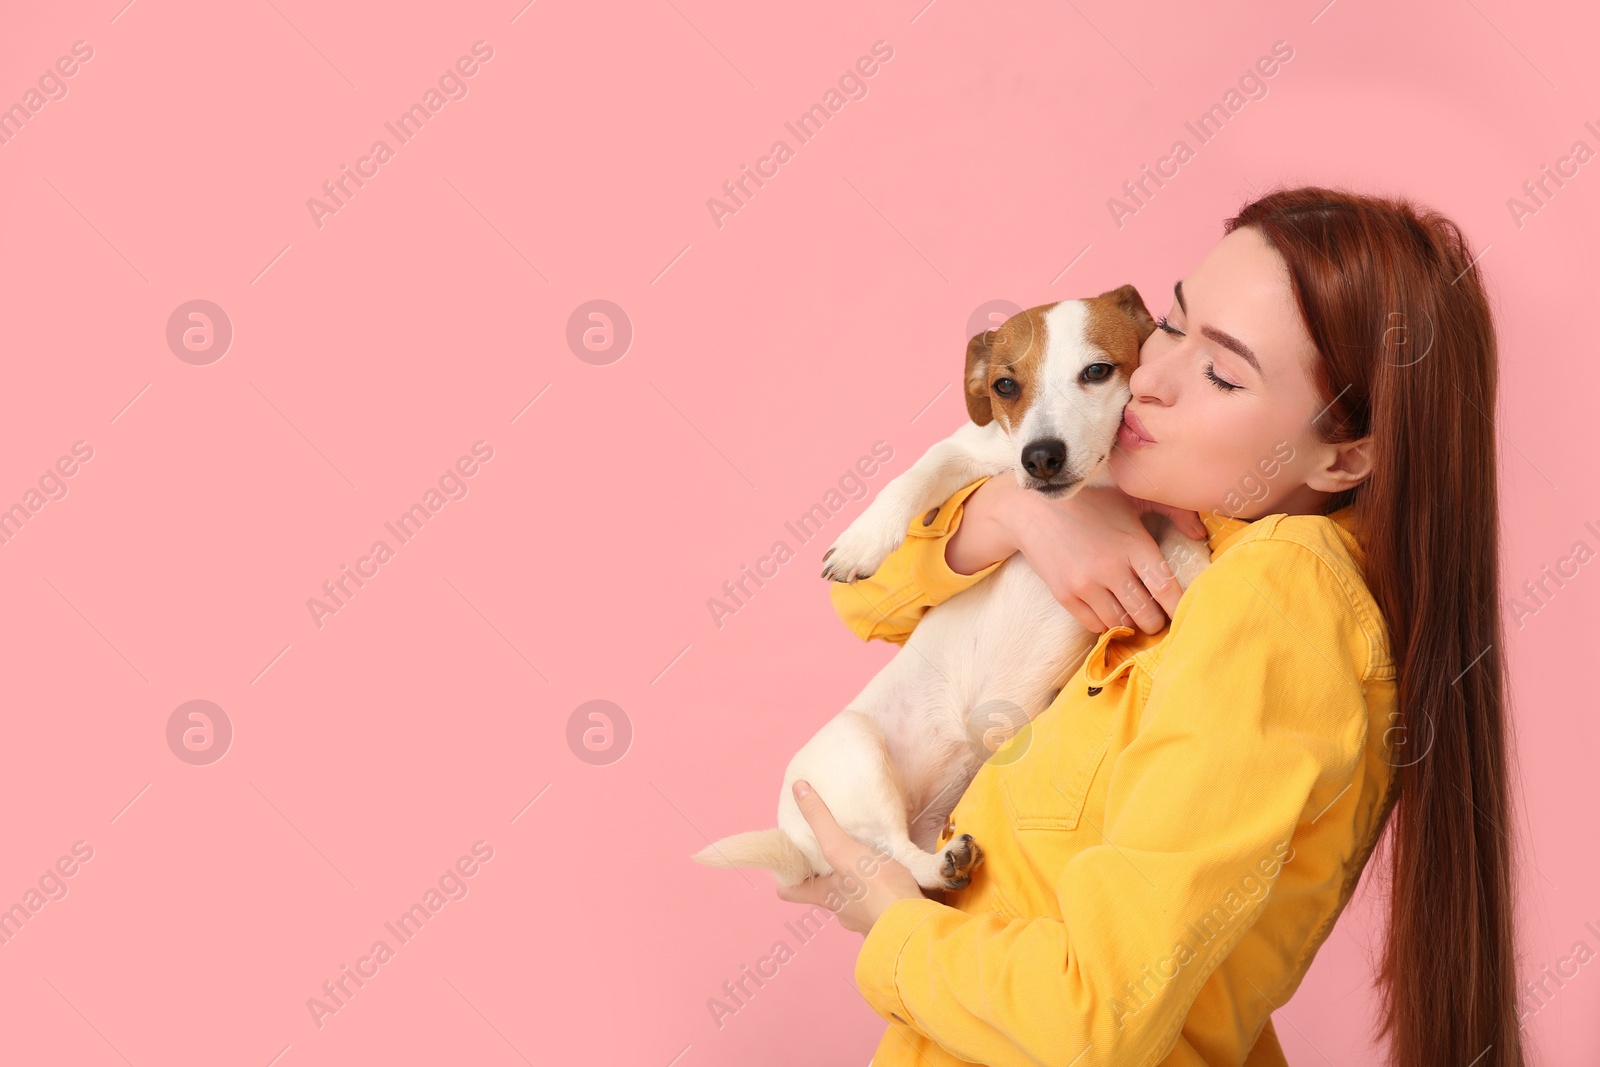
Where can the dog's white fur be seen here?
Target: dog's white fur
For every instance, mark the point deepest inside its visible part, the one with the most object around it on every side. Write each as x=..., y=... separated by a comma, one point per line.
x=982, y=664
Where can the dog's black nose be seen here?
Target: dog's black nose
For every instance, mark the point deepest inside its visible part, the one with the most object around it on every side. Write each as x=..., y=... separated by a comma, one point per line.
x=1045, y=457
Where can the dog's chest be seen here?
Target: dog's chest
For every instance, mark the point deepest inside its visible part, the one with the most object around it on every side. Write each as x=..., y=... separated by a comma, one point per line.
x=986, y=664
x=1007, y=629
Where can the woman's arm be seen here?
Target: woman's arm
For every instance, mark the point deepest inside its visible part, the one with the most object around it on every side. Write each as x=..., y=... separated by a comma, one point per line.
x=1090, y=549
x=1094, y=554
x=1241, y=738
x=887, y=605
x=983, y=536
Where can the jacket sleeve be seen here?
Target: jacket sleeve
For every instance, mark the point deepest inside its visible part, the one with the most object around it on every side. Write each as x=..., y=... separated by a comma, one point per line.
x=1255, y=721
x=913, y=578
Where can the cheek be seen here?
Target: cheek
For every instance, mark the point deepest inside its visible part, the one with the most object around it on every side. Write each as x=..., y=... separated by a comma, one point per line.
x=1211, y=427
x=1271, y=460
x=1230, y=448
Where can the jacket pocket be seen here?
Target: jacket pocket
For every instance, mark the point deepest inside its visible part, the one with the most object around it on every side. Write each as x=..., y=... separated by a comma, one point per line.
x=1046, y=787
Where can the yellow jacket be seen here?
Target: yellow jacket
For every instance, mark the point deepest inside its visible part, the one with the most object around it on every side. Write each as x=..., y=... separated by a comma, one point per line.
x=1188, y=820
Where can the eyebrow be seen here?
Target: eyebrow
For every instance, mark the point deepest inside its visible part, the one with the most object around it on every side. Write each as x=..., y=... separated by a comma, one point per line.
x=1226, y=340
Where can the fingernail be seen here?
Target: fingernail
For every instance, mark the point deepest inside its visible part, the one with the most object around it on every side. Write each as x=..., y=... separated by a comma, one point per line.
x=802, y=789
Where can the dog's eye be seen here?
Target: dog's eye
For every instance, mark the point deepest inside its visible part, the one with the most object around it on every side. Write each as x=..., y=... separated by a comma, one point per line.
x=1007, y=387
x=1097, y=372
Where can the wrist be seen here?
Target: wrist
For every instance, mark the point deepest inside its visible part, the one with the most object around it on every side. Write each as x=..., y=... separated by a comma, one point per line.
x=984, y=536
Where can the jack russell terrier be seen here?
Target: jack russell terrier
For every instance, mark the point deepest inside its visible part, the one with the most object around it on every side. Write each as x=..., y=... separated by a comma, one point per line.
x=1045, y=391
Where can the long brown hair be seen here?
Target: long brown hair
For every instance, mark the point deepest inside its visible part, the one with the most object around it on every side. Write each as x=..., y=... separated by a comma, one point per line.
x=1394, y=301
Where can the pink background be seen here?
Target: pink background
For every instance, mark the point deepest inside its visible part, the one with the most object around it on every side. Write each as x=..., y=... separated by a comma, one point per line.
x=768, y=355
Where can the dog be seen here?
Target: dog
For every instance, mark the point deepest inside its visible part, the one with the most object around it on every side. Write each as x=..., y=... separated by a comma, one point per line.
x=1045, y=391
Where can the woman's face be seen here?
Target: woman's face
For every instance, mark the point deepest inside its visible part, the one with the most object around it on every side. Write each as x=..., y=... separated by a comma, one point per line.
x=1223, y=391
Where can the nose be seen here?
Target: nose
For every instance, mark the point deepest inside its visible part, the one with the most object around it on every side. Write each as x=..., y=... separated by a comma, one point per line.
x=1149, y=380
x=1045, y=457
x=1143, y=378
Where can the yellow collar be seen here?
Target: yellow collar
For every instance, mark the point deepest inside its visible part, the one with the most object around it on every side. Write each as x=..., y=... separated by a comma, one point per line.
x=1224, y=531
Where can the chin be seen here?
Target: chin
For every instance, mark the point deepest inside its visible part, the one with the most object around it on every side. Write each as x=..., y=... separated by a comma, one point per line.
x=1130, y=479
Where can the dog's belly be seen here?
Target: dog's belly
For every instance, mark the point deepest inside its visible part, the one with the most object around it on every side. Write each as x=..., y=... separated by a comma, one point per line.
x=977, y=668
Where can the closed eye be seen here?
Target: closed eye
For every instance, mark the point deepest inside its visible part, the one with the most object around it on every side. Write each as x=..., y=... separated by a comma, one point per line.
x=1225, y=386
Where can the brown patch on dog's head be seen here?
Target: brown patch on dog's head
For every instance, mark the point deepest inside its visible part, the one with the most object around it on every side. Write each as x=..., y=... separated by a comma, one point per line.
x=1118, y=325
x=1015, y=346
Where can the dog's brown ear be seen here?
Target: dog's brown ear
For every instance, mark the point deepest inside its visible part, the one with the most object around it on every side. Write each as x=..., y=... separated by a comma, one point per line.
x=976, y=380
x=1131, y=304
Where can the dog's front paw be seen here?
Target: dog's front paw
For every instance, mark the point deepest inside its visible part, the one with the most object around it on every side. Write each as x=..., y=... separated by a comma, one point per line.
x=960, y=858
x=861, y=549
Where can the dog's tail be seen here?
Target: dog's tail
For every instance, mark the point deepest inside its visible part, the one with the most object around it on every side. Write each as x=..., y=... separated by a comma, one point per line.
x=771, y=850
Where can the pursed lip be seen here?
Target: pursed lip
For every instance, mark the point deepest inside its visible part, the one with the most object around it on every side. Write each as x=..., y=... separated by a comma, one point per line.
x=1135, y=425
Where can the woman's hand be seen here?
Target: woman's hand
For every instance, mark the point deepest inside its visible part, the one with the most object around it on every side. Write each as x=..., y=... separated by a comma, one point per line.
x=1090, y=549
x=863, y=883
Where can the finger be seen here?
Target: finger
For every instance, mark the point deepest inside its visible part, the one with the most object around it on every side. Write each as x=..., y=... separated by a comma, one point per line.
x=1154, y=576
x=1142, y=606
x=1188, y=521
x=1108, y=608
x=1086, y=616
x=829, y=836
x=805, y=892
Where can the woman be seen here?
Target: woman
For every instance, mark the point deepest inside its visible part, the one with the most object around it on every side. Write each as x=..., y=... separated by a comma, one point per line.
x=1170, y=842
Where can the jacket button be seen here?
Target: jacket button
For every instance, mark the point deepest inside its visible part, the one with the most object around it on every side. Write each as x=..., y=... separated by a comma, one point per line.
x=1094, y=690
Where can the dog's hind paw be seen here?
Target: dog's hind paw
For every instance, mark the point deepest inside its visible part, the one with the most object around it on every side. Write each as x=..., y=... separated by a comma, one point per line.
x=960, y=858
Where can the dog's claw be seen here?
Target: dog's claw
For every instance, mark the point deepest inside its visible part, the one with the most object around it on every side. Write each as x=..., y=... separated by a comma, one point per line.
x=961, y=857
x=836, y=572
x=862, y=548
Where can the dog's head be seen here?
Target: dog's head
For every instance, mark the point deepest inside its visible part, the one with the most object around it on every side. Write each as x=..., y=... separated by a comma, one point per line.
x=1056, y=378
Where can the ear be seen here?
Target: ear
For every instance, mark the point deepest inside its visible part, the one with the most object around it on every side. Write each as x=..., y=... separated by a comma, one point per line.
x=1131, y=304
x=1349, y=463
x=976, y=378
